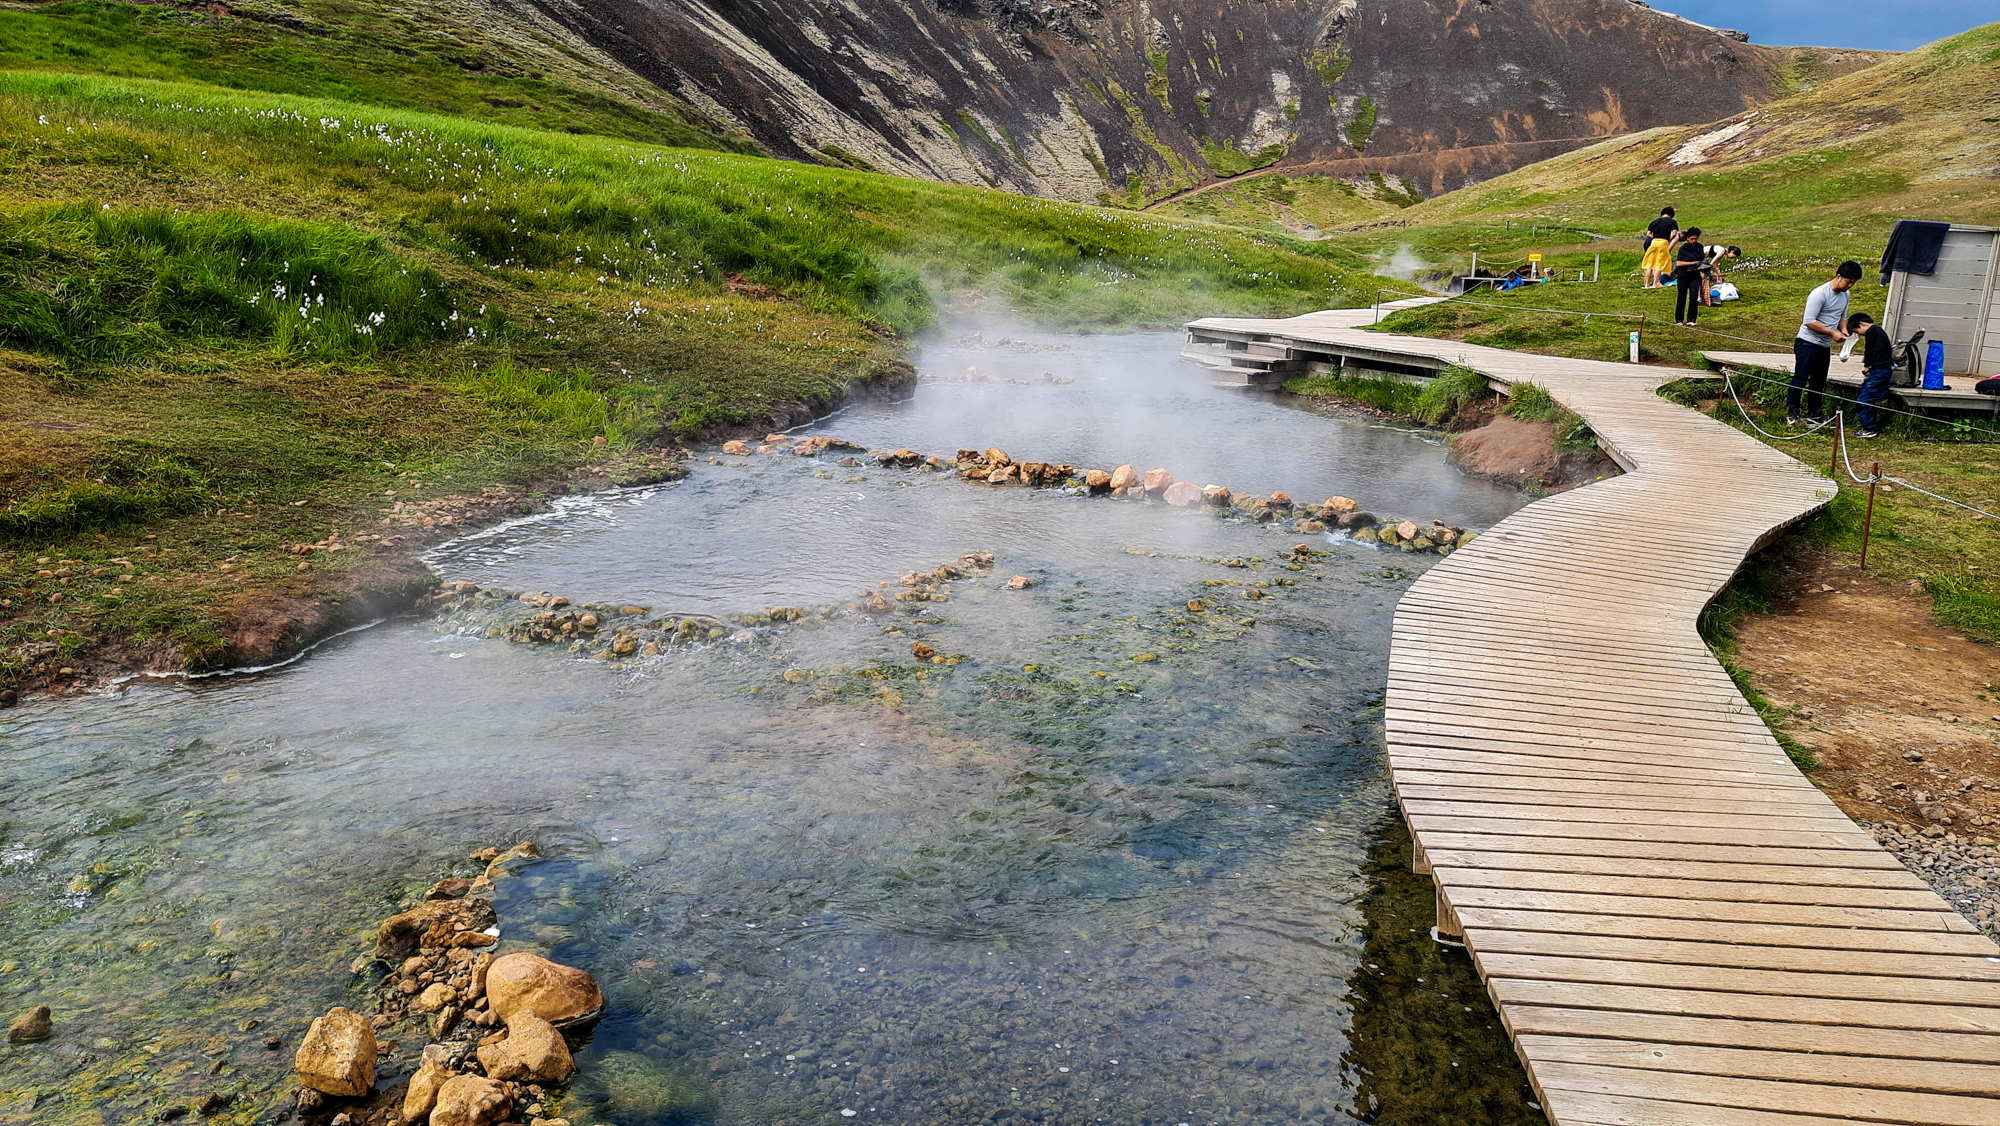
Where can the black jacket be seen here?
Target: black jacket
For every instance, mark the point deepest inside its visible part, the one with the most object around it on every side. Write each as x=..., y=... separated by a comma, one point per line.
x=1878, y=351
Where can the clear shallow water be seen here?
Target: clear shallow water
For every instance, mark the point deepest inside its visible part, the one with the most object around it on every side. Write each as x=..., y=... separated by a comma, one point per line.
x=1113, y=866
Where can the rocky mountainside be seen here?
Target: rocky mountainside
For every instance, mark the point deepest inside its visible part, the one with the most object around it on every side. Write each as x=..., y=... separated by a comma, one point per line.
x=1132, y=100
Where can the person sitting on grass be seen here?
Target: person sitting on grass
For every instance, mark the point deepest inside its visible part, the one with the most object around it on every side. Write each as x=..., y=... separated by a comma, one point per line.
x=1812, y=351
x=1711, y=270
x=1878, y=359
x=1658, y=246
x=1689, y=259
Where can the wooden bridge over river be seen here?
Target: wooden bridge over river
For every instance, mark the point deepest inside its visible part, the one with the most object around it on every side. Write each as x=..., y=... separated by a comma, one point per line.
x=1676, y=926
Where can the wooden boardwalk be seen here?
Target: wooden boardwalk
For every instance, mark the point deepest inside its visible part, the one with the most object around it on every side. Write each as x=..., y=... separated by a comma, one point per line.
x=1677, y=928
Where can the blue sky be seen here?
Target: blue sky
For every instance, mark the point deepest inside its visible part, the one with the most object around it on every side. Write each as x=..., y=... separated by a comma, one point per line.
x=1891, y=25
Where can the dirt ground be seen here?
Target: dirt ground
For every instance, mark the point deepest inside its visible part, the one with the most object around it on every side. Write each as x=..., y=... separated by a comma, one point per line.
x=1903, y=714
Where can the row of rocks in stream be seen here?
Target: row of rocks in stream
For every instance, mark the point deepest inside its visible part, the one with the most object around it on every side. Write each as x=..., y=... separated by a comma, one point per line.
x=611, y=632
x=496, y=1047
x=995, y=467
x=1964, y=870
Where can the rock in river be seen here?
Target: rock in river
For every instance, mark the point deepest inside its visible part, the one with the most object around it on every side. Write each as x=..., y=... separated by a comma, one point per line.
x=423, y=1090
x=468, y=1100
x=1157, y=481
x=436, y=922
x=533, y=1052
x=37, y=1025
x=1124, y=477
x=523, y=982
x=1097, y=481
x=1183, y=494
x=337, y=1056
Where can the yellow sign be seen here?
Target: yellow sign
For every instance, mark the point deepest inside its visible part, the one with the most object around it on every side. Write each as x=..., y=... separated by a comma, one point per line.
x=1534, y=257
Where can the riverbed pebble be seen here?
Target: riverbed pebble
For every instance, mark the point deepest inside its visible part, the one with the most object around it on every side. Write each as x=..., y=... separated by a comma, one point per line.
x=36, y=1024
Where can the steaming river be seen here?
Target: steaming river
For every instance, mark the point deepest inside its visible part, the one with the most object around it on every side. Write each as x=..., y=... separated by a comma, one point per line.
x=1121, y=863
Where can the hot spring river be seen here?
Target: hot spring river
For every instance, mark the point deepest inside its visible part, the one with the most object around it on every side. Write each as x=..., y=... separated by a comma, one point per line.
x=1122, y=863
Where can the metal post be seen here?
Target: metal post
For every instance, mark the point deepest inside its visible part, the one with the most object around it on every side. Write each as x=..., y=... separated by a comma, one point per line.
x=1475, y=267
x=1874, y=475
x=1596, y=264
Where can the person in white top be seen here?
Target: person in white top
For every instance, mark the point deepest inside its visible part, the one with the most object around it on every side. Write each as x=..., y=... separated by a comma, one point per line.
x=1812, y=352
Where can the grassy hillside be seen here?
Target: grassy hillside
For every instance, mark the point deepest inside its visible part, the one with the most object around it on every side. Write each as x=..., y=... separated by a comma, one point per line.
x=238, y=322
x=1801, y=185
x=413, y=56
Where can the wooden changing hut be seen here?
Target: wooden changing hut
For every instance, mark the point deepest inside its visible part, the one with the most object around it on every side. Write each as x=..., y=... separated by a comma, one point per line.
x=1957, y=303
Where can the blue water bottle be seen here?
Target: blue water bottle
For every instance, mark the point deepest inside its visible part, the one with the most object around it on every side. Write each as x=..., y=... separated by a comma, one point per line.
x=1934, y=367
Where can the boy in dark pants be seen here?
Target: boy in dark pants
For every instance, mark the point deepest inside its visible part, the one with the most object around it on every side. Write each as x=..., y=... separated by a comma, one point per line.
x=1878, y=357
x=1826, y=309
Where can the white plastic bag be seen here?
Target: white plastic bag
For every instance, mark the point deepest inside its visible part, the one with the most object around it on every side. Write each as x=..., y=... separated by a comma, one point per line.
x=1724, y=291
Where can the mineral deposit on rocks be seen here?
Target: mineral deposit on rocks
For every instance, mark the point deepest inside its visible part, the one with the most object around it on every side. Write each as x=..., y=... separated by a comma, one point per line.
x=337, y=1057
x=523, y=982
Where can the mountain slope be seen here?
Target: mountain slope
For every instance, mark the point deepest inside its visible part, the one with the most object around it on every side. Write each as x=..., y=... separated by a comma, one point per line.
x=1122, y=101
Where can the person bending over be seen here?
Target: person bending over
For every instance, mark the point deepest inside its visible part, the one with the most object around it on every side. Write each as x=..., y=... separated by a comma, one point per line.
x=1658, y=247
x=1711, y=271
x=1878, y=358
x=1689, y=259
x=1812, y=351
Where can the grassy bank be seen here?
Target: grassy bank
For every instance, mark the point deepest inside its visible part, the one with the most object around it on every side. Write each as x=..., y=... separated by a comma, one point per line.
x=240, y=323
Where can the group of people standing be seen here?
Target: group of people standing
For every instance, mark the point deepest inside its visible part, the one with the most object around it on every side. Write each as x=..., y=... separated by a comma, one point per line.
x=1679, y=257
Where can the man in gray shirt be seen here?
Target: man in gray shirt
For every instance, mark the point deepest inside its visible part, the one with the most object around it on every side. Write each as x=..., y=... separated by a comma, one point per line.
x=1812, y=353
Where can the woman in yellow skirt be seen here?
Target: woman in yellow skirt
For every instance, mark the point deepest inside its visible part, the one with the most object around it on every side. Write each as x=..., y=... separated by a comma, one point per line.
x=1659, y=257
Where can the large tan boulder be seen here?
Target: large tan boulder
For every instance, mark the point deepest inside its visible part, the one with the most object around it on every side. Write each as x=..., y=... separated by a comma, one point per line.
x=337, y=1057
x=533, y=1052
x=1097, y=481
x=469, y=1100
x=423, y=1091
x=1339, y=505
x=1215, y=496
x=1183, y=494
x=523, y=982
x=997, y=456
x=1124, y=477
x=1157, y=481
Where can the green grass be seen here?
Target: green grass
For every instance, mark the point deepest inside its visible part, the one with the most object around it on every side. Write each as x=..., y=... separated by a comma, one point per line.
x=1449, y=390
x=1391, y=396
x=1226, y=159
x=1362, y=126
x=1274, y=201
x=85, y=283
